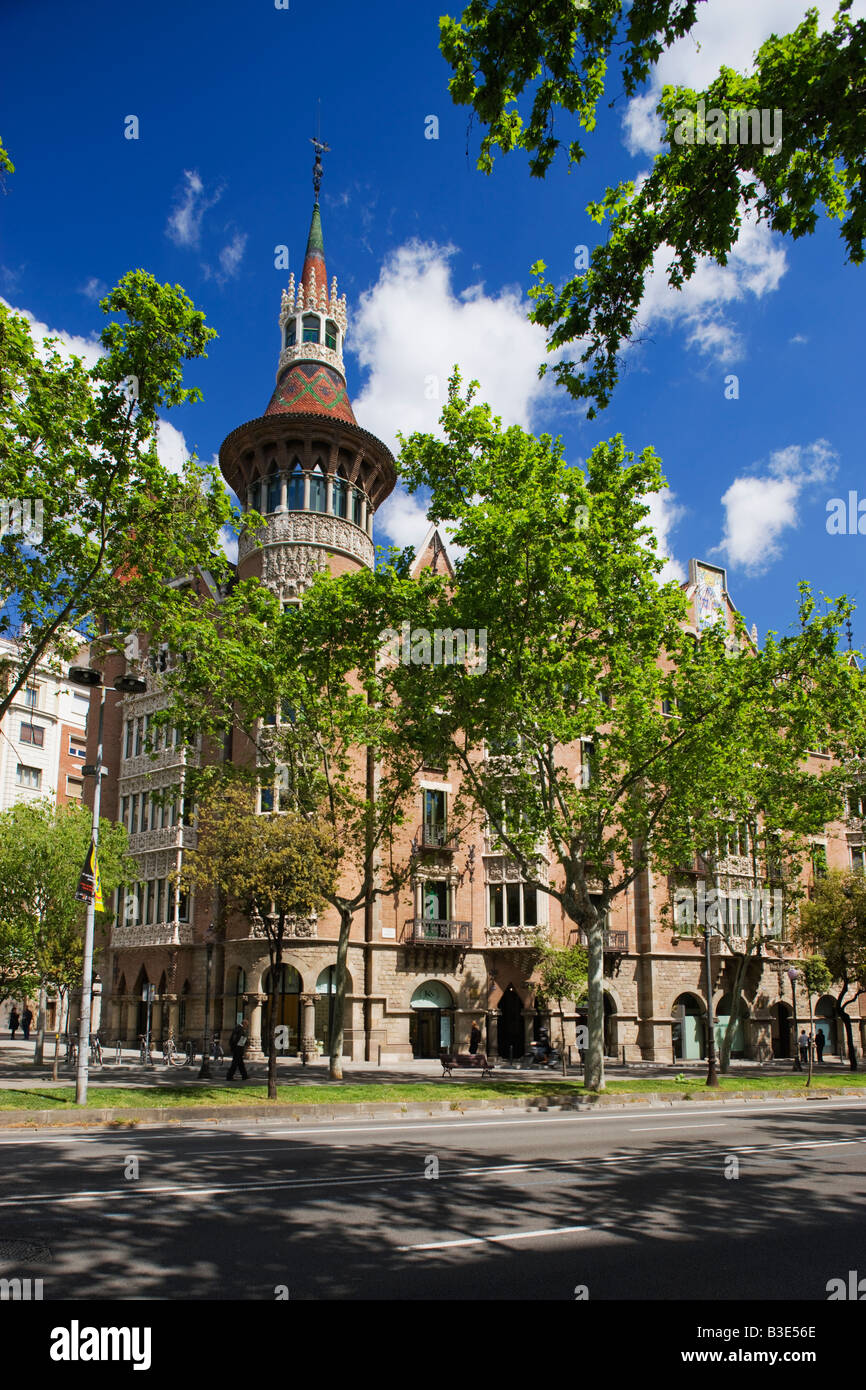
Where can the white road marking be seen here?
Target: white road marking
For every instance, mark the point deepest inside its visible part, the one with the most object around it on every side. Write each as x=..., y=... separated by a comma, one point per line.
x=647, y=1129
x=487, y=1240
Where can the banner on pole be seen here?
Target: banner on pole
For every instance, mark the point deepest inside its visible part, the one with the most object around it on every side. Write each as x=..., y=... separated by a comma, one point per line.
x=89, y=885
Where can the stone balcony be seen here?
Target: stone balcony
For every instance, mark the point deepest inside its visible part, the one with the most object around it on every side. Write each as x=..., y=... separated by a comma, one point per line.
x=515, y=936
x=156, y=934
x=168, y=837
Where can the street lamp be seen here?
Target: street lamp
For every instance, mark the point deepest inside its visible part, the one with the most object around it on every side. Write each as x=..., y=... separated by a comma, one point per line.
x=793, y=976
x=127, y=685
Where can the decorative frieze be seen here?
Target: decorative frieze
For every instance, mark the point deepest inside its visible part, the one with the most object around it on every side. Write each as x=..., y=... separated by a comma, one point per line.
x=309, y=529
x=499, y=868
x=146, y=764
x=158, y=934
x=296, y=928
x=515, y=936
x=289, y=570
x=168, y=837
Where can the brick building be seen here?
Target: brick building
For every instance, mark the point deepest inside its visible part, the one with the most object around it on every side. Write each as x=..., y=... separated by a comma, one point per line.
x=456, y=946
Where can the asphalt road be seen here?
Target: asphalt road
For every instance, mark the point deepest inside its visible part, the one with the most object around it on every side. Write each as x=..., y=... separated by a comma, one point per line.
x=741, y=1202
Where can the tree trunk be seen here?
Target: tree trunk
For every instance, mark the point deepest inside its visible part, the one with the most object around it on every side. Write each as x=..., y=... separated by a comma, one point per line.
x=562, y=1039
x=736, y=992
x=593, y=1077
x=39, y=1050
x=335, y=1070
x=849, y=1035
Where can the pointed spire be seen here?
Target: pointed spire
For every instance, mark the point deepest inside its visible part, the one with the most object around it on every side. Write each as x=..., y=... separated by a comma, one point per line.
x=314, y=272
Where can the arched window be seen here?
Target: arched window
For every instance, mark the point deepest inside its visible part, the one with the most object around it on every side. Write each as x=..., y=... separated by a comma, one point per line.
x=273, y=487
x=318, y=488
x=295, y=496
x=291, y=333
x=311, y=328
x=255, y=495
x=341, y=496
x=331, y=334
x=357, y=499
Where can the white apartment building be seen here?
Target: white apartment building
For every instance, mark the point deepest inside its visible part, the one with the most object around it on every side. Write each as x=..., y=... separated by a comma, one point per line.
x=42, y=738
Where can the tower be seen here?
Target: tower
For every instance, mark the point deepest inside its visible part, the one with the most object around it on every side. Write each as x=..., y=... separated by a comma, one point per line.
x=306, y=465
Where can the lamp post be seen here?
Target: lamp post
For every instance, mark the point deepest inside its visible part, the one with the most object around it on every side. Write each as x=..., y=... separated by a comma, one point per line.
x=204, y=1069
x=127, y=685
x=793, y=976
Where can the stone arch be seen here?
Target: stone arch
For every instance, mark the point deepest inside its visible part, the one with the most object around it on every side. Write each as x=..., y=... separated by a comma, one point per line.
x=689, y=1011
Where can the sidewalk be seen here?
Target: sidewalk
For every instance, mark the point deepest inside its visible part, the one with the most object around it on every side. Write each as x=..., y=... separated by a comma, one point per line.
x=18, y=1072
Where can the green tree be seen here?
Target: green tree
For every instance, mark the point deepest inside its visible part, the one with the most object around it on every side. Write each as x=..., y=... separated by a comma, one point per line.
x=817, y=979
x=699, y=190
x=275, y=868
x=833, y=924
x=110, y=525
x=320, y=719
x=42, y=850
x=584, y=647
x=562, y=973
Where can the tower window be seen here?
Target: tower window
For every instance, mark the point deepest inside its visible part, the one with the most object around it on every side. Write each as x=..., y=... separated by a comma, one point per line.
x=311, y=328
x=318, y=489
x=273, y=488
x=291, y=333
x=341, y=490
x=296, y=488
x=356, y=506
x=331, y=334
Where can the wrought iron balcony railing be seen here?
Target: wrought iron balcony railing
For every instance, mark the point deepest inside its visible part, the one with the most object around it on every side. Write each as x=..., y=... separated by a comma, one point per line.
x=437, y=931
x=437, y=836
x=613, y=940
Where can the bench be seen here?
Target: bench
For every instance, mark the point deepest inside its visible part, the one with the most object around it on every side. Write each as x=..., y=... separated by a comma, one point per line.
x=465, y=1061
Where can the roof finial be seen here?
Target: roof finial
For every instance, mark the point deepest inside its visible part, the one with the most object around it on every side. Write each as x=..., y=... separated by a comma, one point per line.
x=320, y=147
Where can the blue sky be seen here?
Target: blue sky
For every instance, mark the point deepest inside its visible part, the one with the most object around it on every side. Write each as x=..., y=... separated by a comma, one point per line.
x=433, y=256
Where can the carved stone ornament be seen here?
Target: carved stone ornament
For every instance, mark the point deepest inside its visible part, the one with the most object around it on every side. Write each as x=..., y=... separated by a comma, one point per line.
x=309, y=528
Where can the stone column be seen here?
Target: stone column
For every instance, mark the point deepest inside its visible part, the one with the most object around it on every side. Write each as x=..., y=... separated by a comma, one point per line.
x=493, y=1033
x=308, y=1027
x=253, y=1011
x=306, y=491
x=170, y=1011
x=364, y=510
x=329, y=495
x=283, y=492
x=370, y=521
x=529, y=1016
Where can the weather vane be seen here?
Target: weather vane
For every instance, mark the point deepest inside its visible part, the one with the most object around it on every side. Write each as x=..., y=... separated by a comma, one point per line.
x=321, y=148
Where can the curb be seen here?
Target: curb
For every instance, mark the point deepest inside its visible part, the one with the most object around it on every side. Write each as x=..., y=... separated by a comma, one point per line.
x=368, y=1110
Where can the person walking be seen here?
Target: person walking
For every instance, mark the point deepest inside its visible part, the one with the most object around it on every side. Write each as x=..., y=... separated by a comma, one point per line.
x=238, y=1039
x=803, y=1044
x=26, y=1020
x=820, y=1043
x=14, y=1020
x=474, y=1037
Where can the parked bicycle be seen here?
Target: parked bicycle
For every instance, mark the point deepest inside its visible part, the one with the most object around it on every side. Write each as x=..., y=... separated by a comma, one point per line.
x=145, y=1054
x=173, y=1056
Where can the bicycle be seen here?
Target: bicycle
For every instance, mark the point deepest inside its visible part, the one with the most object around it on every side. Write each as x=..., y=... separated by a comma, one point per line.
x=95, y=1051
x=145, y=1054
x=172, y=1057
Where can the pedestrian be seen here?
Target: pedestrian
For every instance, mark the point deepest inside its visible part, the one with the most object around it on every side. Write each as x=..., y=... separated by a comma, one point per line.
x=474, y=1037
x=803, y=1044
x=14, y=1020
x=26, y=1020
x=820, y=1043
x=238, y=1039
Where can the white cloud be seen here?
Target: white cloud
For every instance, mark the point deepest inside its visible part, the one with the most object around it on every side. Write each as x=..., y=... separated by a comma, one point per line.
x=403, y=519
x=410, y=329
x=171, y=447
x=184, y=222
x=229, y=542
x=232, y=254
x=760, y=507
x=755, y=267
x=641, y=126
x=94, y=288
x=665, y=514
x=69, y=344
